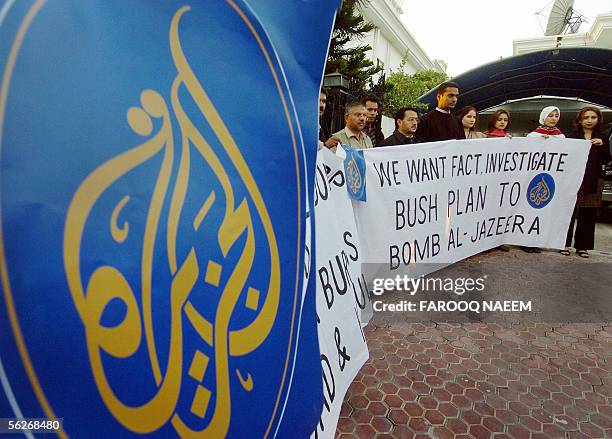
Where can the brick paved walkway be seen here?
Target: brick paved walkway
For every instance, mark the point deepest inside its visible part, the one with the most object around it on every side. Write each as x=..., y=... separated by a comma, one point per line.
x=483, y=381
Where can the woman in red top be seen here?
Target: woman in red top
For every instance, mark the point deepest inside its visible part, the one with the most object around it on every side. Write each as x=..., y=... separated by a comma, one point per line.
x=499, y=124
x=549, y=117
x=498, y=127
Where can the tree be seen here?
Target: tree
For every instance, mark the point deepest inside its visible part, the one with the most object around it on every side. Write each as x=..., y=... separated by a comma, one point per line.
x=406, y=89
x=352, y=62
x=381, y=87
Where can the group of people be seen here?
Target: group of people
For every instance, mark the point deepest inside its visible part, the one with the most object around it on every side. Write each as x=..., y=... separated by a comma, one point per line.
x=361, y=132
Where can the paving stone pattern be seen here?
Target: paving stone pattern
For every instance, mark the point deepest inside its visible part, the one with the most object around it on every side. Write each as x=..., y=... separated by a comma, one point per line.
x=477, y=380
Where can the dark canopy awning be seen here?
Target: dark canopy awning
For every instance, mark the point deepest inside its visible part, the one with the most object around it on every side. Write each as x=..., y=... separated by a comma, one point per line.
x=582, y=72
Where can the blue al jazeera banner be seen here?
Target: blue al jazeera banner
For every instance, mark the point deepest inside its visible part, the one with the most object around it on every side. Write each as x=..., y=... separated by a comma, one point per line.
x=155, y=169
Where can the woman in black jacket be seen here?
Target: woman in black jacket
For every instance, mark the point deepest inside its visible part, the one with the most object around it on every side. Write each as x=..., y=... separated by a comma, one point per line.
x=587, y=125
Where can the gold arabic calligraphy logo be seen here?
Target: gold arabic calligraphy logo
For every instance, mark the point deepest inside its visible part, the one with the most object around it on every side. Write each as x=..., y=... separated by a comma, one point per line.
x=92, y=296
x=540, y=193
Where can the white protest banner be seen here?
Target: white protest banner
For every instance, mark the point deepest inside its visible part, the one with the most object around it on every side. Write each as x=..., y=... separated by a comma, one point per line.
x=437, y=203
x=342, y=293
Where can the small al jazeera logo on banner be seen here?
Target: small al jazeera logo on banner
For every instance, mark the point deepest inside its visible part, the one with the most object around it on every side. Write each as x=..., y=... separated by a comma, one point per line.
x=541, y=190
x=354, y=169
x=154, y=267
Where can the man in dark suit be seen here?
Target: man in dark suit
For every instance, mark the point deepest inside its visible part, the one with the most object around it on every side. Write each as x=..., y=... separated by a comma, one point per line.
x=406, y=123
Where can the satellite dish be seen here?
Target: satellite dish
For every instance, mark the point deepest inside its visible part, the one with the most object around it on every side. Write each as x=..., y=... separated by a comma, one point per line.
x=563, y=18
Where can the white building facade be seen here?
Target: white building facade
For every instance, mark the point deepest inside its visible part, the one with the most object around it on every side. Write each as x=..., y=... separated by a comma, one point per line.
x=599, y=36
x=390, y=40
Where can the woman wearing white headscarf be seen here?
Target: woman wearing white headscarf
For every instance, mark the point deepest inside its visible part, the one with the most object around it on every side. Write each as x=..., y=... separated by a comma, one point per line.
x=549, y=117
